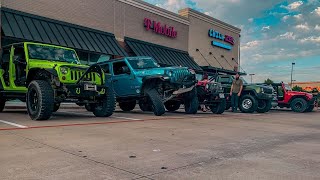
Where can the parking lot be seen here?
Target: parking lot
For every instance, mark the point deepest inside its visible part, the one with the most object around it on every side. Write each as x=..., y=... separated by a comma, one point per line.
x=74, y=144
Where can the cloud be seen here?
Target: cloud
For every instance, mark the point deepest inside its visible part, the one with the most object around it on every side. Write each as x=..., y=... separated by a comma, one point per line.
x=293, y=5
x=311, y=39
x=287, y=35
x=285, y=18
x=316, y=11
x=304, y=27
x=317, y=28
x=298, y=16
x=251, y=44
x=265, y=28
x=173, y=5
x=250, y=20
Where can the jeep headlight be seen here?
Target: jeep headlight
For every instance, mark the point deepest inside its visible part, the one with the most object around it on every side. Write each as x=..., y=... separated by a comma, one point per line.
x=170, y=73
x=64, y=70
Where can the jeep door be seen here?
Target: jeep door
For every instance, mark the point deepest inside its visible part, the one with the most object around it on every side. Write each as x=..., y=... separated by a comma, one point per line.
x=123, y=79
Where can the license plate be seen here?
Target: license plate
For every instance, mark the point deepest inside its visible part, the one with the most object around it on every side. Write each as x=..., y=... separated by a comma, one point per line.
x=90, y=87
x=221, y=95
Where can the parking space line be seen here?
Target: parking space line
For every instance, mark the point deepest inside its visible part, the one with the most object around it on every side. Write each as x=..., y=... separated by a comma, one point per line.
x=119, y=117
x=13, y=124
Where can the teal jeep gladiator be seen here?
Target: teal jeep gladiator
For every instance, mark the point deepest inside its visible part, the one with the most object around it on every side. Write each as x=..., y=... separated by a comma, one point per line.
x=45, y=75
x=142, y=80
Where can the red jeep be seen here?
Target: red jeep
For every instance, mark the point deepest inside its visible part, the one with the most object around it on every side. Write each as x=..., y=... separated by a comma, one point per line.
x=297, y=101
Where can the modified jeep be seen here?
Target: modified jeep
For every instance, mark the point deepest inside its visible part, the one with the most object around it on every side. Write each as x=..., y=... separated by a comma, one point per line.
x=297, y=101
x=210, y=94
x=253, y=98
x=45, y=75
x=142, y=80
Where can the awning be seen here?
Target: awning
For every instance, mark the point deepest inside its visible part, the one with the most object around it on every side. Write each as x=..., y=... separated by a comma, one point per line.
x=28, y=27
x=163, y=55
x=221, y=71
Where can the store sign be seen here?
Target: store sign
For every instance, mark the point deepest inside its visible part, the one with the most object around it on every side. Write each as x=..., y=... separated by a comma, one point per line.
x=226, y=38
x=158, y=28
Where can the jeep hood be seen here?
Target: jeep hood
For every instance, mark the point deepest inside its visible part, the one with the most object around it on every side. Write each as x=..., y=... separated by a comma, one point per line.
x=50, y=65
x=156, y=71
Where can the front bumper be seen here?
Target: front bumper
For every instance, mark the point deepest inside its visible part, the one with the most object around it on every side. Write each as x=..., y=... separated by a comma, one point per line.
x=265, y=96
x=82, y=91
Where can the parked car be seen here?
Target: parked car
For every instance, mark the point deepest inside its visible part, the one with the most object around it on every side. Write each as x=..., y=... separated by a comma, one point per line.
x=254, y=97
x=44, y=76
x=141, y=79
x=297, y=101
x=211, y=95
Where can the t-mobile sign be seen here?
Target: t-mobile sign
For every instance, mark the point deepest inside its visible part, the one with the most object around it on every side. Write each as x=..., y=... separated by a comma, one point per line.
x=158, y=28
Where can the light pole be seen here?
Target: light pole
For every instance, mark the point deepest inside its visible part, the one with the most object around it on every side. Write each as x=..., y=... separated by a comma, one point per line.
x=251, y=76
x=292, y=71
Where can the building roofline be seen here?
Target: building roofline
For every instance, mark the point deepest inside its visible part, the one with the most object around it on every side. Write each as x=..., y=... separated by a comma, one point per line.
x=157, y=10
x=191, y=12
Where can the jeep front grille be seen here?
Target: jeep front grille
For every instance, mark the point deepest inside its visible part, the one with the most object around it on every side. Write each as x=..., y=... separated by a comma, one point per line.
x=76, y=75
x=180, y=74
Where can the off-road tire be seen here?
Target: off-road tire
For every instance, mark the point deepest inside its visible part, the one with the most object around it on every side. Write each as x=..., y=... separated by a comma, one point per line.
x=218, y=108
x=127, y=105
x=248, y=104
x=310, y=108
x=172, y=105
x=106, y=106
x=56, y=107
x=264, y=106
x=2, y=103
x=43, y=106
x=145, y=105
x=157, y=105
x=90, y=107
x=191, y=103
x=299, y=105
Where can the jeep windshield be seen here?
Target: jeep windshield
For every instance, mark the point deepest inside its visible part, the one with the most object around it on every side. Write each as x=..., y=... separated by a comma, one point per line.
x=52, y=53
x=143, y=63
x=287, y=87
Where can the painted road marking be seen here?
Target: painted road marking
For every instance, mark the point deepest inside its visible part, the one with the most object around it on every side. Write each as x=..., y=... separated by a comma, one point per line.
x=13, y=124
x=118, y=117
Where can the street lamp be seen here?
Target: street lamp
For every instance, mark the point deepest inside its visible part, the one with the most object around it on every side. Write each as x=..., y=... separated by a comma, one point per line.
x=251, y=76
x=292, y=72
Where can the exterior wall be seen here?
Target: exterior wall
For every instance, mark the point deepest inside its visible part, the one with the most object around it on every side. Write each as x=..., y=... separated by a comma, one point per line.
x=121, y=17
x=199, y=39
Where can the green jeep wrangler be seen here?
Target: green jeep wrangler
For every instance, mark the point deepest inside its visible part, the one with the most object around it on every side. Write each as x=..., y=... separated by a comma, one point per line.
x=45, y=75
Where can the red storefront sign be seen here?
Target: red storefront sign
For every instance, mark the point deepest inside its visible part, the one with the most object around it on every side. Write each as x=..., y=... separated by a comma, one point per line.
x=158, y=28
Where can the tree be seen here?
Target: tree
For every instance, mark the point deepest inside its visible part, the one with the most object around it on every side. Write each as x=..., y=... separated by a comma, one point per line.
x=268, y=81
x=297, y=88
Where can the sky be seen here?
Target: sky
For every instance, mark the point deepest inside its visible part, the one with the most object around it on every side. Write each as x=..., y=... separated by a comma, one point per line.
x=274, y=34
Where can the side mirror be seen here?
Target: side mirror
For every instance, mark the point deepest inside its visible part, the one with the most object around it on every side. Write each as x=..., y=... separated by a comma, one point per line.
x=125, y=69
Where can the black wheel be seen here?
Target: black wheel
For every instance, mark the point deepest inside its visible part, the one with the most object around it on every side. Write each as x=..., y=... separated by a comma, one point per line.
x=264, y=106
x=191, y=103
x=157, y=105
x=172, y=105
x=299, y=105
x=127, y=105
x=40, y=100
x=2, y=103
x=310, y=108
x=90, y=107
x=218, y=108
x=106, y=106
x=248, y=104
x=56, y=107
x=145, y=105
